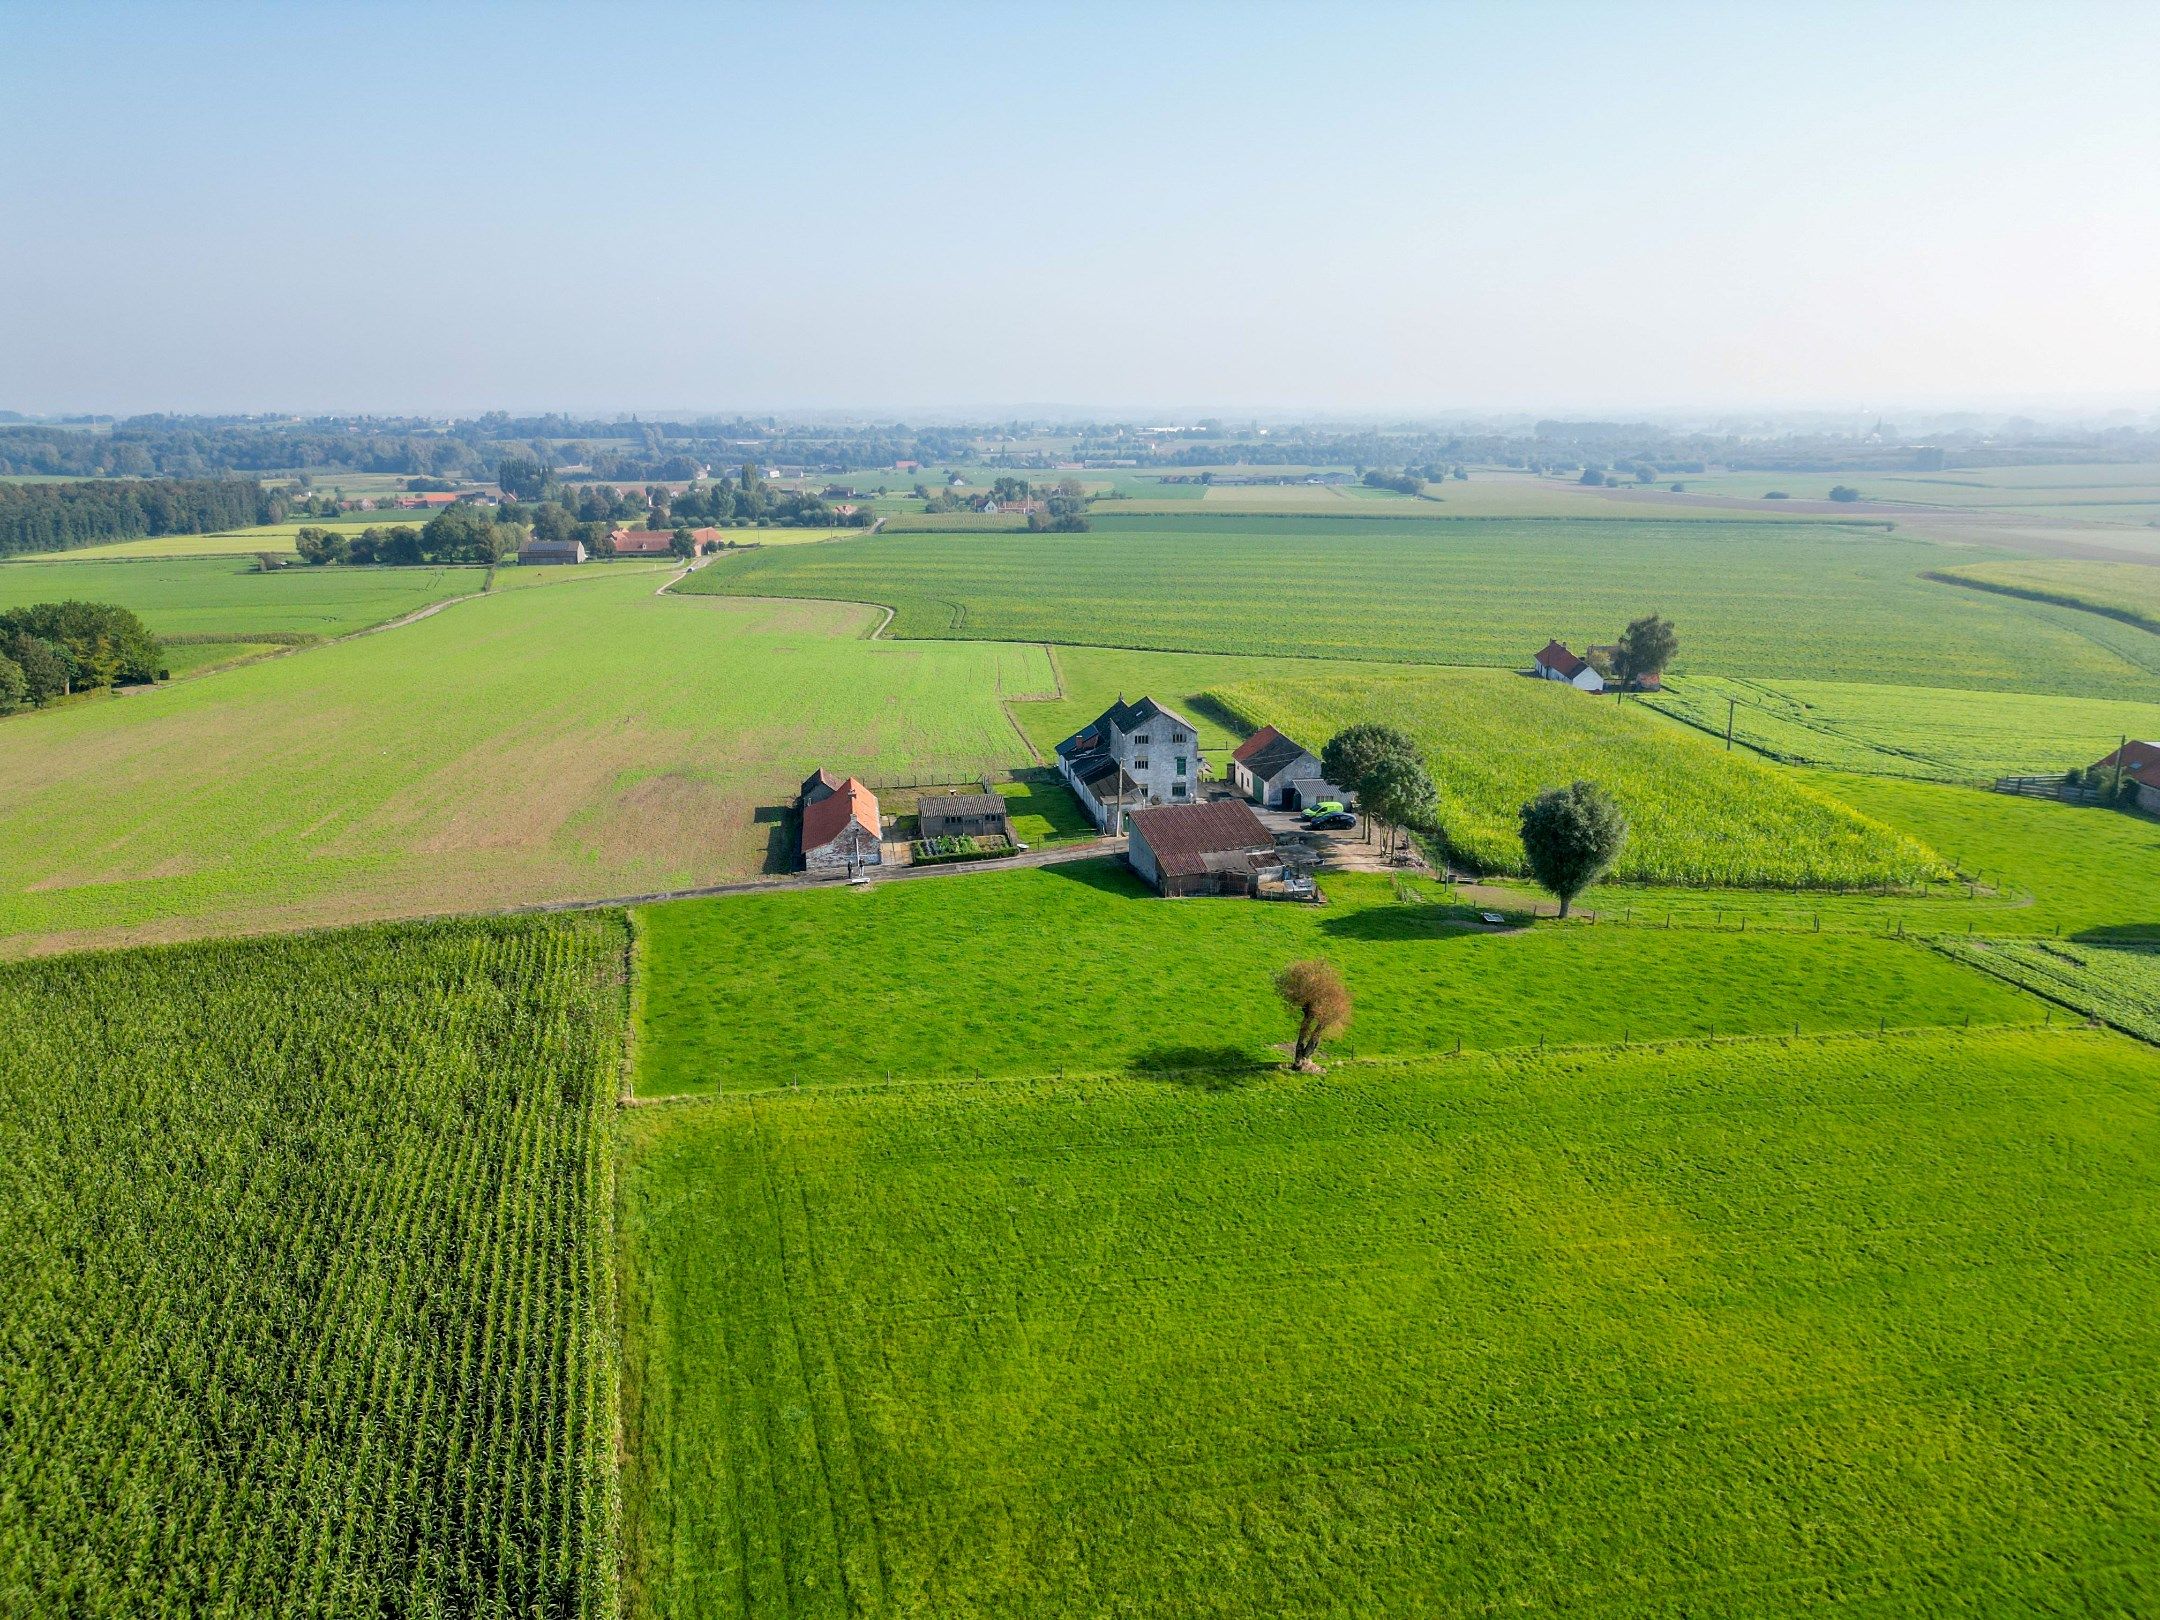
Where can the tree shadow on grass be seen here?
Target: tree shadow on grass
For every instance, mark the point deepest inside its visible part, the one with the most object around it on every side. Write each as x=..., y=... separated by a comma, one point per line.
x=1410, y=922
x=1203, y=1068
x=2120, y=936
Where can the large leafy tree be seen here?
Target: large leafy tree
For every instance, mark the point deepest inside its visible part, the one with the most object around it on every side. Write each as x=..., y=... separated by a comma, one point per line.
x=1353, y=754
x=1399, y=793
x=1570, y=836
x=97, y=643
x=14, y=686
x=1646, y=646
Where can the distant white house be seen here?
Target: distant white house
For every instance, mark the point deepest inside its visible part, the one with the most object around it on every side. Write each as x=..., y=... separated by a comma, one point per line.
x=1130, y=756
x=1556, y=663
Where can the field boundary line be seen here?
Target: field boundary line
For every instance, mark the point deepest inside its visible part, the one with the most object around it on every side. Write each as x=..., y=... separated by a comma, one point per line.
x=1530, y=1052
x=1980, y=961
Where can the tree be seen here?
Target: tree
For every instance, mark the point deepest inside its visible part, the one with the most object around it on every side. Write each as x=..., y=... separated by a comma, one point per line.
x=552, y=521
x=1399, y=793
x=1843, y=492
x=1570, y=836
x=45, y=670
x=1592, y=475
x=524, y=478
x=682, y=543
x=1315, y=992
x=1646, y=646
x=319, y=546
x=14, y=686
x=1353, y=753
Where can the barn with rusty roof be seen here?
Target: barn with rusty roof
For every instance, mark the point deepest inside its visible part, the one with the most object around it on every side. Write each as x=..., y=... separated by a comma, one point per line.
x=1219, y=847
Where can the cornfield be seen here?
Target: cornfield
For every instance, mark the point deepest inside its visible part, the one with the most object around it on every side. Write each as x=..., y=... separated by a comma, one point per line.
x=307, y=1300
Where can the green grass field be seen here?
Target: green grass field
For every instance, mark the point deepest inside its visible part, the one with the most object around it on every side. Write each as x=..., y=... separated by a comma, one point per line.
x=1908, y=730
x=202, y=657
x=1494, y=740
x=582, y=740
x=2120, y=983
x=952, y=976
x=213, y=595
x=309, y=1303
x=1768, y=1329
x=1808, y=601
x=2124, y=590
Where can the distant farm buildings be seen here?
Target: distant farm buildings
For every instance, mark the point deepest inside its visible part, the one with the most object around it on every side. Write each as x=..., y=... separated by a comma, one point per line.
x=552, y=551
x=660, y=542
x=1603, y=658
x=2139, y=762
x=842, y=829
x=1191, y=849
x=964, y=815
x=1131, y=755
x=1556, y=663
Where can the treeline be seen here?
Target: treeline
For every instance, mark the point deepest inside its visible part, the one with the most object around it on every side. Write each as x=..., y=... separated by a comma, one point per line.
x=747, y=498
x=50, y=649
x=456, y=534
x=54, y=517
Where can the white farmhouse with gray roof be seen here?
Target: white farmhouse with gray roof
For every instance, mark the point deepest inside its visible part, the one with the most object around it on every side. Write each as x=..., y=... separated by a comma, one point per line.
x=1130, y=756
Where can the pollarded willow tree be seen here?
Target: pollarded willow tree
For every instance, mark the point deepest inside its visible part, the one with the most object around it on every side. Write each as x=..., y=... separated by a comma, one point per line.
x=1315, y=992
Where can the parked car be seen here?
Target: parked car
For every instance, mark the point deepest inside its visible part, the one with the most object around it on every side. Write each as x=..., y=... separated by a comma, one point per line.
x=1326, y=807
x=1333, y=821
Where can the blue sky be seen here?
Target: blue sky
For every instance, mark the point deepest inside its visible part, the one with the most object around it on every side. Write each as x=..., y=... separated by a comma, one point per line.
x=454, y=207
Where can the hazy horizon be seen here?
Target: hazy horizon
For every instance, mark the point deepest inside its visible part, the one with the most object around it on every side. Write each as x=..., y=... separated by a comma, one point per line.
x=1388, y=211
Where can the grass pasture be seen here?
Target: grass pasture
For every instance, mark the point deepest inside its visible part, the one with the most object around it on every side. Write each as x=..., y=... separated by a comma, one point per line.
x=548, y=743
x=2120, y=590
x=1813, y=601
x=226, y=596
x=1776, y=1328
x=1494, y=740
x=309, y=1302
x=1958, y=736
x=2118, y=983
x=925, y=980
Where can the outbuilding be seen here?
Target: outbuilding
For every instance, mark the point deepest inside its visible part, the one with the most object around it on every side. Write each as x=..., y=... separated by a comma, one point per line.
x=552, y=551
x=1276, y=772
x=963, y=815
x=1190, y=849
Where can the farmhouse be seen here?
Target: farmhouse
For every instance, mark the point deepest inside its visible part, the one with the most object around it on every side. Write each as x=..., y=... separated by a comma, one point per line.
x=659, y=542
x=967, y=815
x=552, y=551
x=840, y=825
x=1130, y=755
x=1556, y=663
x=1274, y=771
x=1189, y=849
x=2140, y=762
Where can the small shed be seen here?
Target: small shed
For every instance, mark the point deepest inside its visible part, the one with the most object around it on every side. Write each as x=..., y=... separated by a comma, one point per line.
x=1190, y=849
x=967, y=815
x=1555, y=663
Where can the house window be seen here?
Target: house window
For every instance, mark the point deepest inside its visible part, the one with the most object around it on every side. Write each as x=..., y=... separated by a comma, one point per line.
x=1139, y=764
x=1177, y=790
x=1181, y=764
x=1143, y=737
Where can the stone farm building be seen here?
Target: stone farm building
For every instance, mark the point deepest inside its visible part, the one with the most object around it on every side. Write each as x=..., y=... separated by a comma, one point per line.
x=966, y=815
x=1129, y=756
x=1556, y=663
x=2140, y=762
x=1273, y=771
x=841, y=825
x=659, y=542
x=552, y=551
x=1188, y=849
